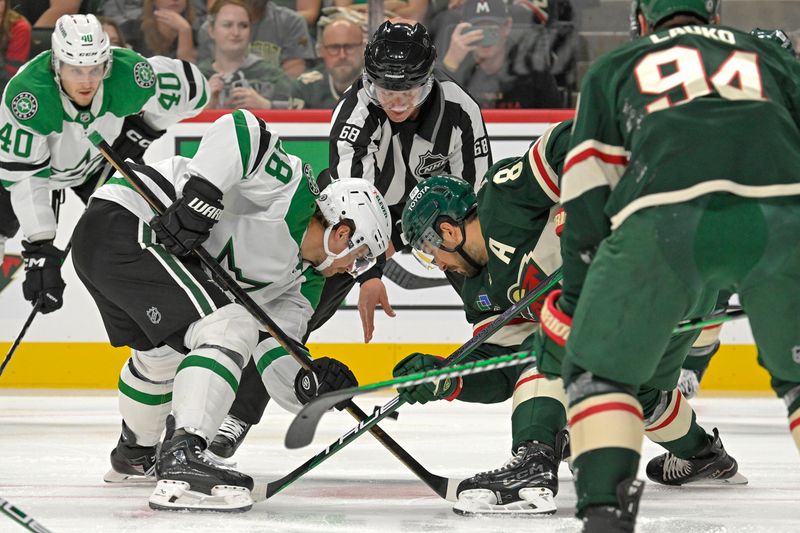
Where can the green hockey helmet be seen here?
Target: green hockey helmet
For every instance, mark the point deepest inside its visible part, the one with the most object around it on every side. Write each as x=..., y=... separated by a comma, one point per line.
x=431, y=200
x=654, y=11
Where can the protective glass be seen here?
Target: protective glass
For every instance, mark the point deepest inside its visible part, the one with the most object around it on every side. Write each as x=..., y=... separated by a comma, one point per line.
x=364, y=260
x=398, y=101
x=426, y=260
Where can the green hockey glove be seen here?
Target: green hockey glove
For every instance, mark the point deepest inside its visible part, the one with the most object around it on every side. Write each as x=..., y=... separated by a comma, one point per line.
x=420, y=362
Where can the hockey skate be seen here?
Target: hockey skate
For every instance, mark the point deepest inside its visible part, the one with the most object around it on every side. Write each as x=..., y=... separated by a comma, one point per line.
x=525, y=485
x=712, y=466
x=229, y=437
x=187, y=480
x=131, y=463
x=616, y=519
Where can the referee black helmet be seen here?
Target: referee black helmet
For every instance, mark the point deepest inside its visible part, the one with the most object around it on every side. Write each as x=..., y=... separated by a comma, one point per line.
x=399, y=56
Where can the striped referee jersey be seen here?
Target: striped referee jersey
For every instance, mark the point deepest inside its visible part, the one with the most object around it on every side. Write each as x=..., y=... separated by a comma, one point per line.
x=447, y=137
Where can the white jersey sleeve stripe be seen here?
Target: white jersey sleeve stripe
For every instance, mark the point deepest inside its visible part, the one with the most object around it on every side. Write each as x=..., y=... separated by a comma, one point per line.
x=592, y=164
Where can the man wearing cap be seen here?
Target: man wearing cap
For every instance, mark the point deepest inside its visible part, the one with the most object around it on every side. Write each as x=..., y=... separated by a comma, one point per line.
x=499, y=69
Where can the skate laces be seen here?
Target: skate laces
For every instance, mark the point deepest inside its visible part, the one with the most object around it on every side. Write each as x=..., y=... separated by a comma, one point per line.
x=676, y=468
x=232, y=428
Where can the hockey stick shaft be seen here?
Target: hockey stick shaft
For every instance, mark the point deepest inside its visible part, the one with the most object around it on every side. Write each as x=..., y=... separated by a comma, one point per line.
x=437, y=483
x=21, y=517
x=306, y=420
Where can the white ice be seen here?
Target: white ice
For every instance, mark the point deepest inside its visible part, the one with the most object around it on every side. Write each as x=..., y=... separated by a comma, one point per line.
x=54, y=452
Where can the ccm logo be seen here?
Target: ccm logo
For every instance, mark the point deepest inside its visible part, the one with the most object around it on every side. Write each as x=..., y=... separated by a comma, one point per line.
x=137, y=138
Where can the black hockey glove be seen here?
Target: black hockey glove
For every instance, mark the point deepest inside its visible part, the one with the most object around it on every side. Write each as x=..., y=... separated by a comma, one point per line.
x=43, y=282
x=331, y=375
x=134, y=138
x=187, y=223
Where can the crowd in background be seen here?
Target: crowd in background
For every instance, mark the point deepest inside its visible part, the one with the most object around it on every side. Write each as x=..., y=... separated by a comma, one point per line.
x=303, y=54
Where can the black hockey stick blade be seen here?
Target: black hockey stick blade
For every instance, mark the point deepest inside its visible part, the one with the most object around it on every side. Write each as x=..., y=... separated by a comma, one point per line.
x=404, y=279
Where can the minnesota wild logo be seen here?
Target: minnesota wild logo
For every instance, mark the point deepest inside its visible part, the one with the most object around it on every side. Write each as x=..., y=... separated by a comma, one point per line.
x=24, y=106
x=528, y=277
x=143, y=75
x=11, y=264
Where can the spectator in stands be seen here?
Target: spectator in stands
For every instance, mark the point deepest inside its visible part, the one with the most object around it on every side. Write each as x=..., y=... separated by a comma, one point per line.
x=413, y=10
x=115, y=35
x=165, y=29
x=279, y=36
x=236, y=77
x=15, y=42
x=497, y=71
x=124, y=11
x=45, y=13
x=342, y=35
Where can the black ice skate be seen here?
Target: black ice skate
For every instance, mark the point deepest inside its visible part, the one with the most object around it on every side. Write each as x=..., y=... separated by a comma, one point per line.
x=229, y=437
x=188, y=480
x=616, y=519
x=712, y=466
x=131, y=463
x=526, y=484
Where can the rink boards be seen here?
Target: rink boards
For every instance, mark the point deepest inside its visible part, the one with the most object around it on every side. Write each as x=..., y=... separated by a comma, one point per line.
x=68, y=349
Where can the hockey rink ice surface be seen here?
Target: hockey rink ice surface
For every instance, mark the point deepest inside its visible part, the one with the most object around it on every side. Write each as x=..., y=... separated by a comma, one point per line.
x=54, y=452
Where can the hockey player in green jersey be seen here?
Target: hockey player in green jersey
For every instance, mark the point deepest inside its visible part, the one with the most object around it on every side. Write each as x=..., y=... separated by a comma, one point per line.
x=48, y=111
x=505, y=240
x=262, y=216
x=667, y=200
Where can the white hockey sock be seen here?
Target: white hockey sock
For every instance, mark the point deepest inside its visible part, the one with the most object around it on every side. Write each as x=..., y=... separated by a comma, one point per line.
x=204, y=389
x=145, y=392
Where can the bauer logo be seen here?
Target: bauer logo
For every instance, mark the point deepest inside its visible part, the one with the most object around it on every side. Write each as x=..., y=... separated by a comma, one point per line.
x=143, y=75
x=154, y=315
x=24, y=106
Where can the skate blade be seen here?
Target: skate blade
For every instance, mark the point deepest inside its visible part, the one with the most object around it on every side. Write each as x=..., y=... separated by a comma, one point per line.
x=736, y=479
x=172, y=495
x=481, y=502
x=112, y=476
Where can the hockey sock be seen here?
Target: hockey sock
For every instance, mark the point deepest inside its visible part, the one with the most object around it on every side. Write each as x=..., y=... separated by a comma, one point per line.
x=794, y=420
x=606, y=427
x=671, y=422
x=205, y=385
x=145, y=392
x=539, y=409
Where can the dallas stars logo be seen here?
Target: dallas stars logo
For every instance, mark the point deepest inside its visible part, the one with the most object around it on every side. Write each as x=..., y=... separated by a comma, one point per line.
x=143, y=75
x=24, y=106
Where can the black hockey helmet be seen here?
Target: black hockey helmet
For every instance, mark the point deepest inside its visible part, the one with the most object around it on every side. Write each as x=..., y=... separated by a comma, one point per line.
x=399, y=56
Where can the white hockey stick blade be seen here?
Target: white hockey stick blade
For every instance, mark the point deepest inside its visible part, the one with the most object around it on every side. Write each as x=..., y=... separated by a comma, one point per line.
x=535, y=501
x=177, y=496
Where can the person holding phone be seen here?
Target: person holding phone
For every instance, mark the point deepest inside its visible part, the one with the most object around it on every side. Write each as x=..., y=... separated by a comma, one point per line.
x=498, y=70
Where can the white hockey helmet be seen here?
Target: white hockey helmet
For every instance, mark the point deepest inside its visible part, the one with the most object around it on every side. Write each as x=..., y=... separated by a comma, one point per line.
x=358, y=201
x=80, y=40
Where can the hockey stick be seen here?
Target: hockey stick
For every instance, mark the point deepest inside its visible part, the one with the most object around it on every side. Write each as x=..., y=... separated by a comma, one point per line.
x=302, y=429
x=38, y=305
x=438, y=484
x=408, y=280
x=21, y=517
x=305, y=422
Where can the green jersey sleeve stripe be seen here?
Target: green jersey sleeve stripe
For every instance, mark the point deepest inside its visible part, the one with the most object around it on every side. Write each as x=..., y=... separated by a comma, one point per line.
x=243, y=139
x=216, y=367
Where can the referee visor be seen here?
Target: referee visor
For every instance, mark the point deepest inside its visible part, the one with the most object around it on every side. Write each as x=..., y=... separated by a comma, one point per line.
x=398, y=101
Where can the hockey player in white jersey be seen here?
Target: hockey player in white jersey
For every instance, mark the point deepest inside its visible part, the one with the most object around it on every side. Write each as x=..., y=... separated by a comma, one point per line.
x=259, y=212
x=48, y=111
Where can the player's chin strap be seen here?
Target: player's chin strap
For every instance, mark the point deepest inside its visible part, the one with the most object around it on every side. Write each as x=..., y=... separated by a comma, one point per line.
x=463, y=253
x=331, y=257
